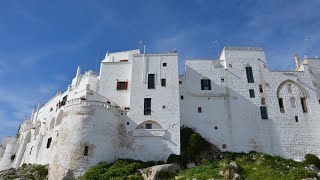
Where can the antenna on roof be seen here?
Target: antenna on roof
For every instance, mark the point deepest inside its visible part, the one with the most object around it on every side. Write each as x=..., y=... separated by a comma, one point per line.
x=142, y=44
x=217, y=42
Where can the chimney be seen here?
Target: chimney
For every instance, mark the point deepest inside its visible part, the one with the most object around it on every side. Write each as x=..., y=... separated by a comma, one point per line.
x=297, y=59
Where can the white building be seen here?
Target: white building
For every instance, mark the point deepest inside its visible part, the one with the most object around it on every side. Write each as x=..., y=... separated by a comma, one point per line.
x=132, y=110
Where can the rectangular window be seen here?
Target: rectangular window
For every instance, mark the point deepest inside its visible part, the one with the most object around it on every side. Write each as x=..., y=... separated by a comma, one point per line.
x=281, y=106
x=224, y=146
x=163, y=82
x=147, y=106
x=296, y=118
x=86, y=150
x=304, y=105
x=148, y=126
x=49, y=142
x=164, y=64
x=251, y=93
x=222, y=79
x=122, y=85
x=260, y=88
x=249, y=75
x=151, y=81
x=205, y=84
x=264, y=112
x=181, y=97
x=180, y=82
x=199, y=110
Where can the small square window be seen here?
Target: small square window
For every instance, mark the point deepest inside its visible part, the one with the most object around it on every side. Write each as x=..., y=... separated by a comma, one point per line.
x=163, y=82
x=251, y=92
x=199, y=110
x=128, y=123
x=181, y=97
x=148, y=126
x=222, y=79
x=122, y=85
x=180, y=82
x=224, y=146
x=164, y=64
x=163, y=107
x=205, y=84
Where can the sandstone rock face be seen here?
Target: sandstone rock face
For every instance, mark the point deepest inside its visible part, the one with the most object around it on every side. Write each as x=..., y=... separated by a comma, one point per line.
x=153, y=172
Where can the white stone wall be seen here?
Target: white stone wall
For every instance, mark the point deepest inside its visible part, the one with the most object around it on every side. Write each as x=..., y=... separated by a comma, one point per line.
x=236, y=116
x=153, y=144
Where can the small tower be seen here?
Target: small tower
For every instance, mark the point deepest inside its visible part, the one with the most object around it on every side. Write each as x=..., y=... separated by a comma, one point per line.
x=297, y=59
x=78, y=75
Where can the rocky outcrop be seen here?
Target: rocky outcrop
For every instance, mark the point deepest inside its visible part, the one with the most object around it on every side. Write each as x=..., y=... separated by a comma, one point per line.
x=155, y=172
x=230, y=171
x=25, y=172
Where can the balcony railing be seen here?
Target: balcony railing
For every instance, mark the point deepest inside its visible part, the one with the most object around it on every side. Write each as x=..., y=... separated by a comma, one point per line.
x=81, y=101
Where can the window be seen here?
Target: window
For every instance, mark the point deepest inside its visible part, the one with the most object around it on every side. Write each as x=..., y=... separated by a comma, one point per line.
x=199, y=110
x=86, y=150
x=163, y=107
x=180, y=82
x=147, y=106
x=251, y=93
x=31, y=150
x=164, y=64
x=264, y=112
x=296, y=118
x=215, y=127
x=280, y=100
x=148, y=126
x=304, y=105
x=205, y=84
x=49, y=142
x=151, y=81
x=249, y=75
x=293, y=102
x=224, y=146
x=222, y=79
x=263, y=101
x=128, y=123
x=289, y=88
x=260, y=88
x=124, y=60
x=163, y=82
x=181, y=97
x=122, y=85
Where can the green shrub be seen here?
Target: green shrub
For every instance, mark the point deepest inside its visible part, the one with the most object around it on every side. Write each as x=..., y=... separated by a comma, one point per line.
x=312, y=159
x=96, y=172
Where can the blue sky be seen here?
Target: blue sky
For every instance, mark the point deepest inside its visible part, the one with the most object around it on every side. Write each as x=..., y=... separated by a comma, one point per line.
x=42, y=42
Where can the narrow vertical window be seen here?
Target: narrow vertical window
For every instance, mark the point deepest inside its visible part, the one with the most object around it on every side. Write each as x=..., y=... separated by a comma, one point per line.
x=249, y=75
x=280, y=100
x=260, y=88
x=205, y=84
x=264, y=112
x=163, y=82
x=181, y=97
x=86, y=150
x=251, y=93
x=199, y=110
x=263, y=101
x=147, y=106
x=296, y=118
x=151, y=81
x=293, y=102
x=49, y=142
x=304, y=105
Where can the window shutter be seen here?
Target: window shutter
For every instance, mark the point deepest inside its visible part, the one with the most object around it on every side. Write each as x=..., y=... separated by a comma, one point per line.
x=118, y=86
x=126, y=85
